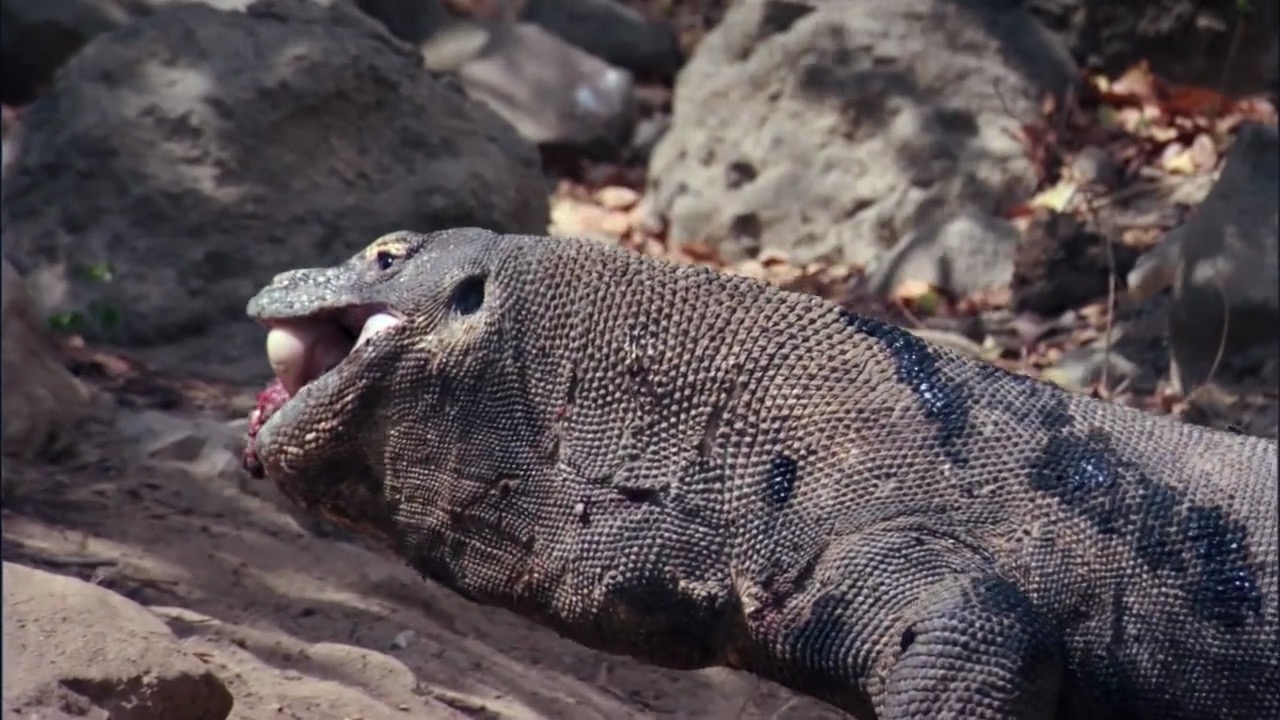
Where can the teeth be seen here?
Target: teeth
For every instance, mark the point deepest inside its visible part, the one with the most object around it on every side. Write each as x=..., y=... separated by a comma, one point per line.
x=374, y=325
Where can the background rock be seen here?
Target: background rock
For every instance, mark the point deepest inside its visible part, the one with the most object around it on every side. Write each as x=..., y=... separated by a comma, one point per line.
x=72, y=647
x=38, y=36
x=828, y=130
x=551, y=91
x=1225, y=320
x=181, y=161
x=613, y=32
x=42, y=401
x=1061, y=265
x=1186, y=41
x=966, y=253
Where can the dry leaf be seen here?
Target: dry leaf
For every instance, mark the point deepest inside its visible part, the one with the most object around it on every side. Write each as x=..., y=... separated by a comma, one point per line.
x=1198, y=101
x=615, y=223
x=1137, y=83
x=1056, y=198
x=616, y=197
x=917, y=294
x=572, y=217
x=1177, y=159
x=1204, y=151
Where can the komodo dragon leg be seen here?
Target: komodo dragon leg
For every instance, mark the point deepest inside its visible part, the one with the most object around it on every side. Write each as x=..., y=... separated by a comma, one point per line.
x=920, y=629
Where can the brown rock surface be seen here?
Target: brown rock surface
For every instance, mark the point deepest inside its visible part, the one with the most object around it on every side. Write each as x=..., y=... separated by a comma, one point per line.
x=72, y=649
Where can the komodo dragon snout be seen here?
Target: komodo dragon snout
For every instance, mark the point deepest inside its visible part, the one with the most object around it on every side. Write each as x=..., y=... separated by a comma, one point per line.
x=338, y=338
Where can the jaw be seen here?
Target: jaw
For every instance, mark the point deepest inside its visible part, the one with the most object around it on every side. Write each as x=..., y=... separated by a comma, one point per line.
x=311, y=426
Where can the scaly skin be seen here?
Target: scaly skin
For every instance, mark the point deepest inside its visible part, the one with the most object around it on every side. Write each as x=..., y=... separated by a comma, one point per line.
x=696, y=469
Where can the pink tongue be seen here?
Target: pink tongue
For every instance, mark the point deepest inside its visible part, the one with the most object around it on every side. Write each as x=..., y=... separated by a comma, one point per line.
x=303, y=351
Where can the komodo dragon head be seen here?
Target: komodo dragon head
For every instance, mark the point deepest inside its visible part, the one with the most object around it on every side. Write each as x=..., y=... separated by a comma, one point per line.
x=345, y=342
x=422, y=393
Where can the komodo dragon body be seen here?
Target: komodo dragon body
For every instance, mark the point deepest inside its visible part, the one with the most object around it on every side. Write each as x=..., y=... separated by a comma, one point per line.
x=696, y=469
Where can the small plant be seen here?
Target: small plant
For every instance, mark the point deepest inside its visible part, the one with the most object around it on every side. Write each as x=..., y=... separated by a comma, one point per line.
x=98, y=316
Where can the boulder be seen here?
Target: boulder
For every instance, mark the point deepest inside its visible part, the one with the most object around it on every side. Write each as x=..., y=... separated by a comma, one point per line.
x=1225, y=319
x=72, y=649
x=181, y=161
x=829, y=130
x=613, y=32
x=967, y=253
x=551, y=91
x=42, y=400
x=38, y=36
x=1224, y=44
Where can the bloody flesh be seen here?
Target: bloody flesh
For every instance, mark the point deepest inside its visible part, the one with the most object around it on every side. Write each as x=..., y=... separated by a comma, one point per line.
x=271, y=399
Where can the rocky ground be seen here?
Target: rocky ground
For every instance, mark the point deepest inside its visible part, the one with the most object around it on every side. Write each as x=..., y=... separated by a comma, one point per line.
x=1032, y=192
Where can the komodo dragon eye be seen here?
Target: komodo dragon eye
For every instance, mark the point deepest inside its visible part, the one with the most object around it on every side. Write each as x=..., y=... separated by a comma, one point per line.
x=385, y=259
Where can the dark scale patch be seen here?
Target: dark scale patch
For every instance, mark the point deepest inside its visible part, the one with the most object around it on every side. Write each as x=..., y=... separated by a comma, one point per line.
x=1054, y=416
x=944, y=402
x=1155, y=540
x=1167, y=533
x=1082, y=478
x=782, y=477
x=1226, y=586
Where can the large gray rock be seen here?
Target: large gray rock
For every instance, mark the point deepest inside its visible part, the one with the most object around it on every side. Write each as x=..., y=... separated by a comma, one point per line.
x=829, y=130
x=968, y=253
x=181, y=161
x=38, y=36
x=551, y=91
x=1225, y=320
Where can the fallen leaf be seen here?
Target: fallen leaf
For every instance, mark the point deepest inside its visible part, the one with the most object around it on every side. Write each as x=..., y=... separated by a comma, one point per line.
x=1137, y=83
x=1191, y=100
x=1178, y=160
x=615, y=223
x=1056, y=198
x=616, y=197
x=772, y=256
x=1204, y=151
x=917, y=295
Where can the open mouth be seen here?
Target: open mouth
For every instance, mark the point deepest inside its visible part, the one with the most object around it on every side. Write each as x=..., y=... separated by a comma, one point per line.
x=302, y=349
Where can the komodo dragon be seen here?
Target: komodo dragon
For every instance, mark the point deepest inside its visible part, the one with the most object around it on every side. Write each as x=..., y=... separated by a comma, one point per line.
x=695, y=469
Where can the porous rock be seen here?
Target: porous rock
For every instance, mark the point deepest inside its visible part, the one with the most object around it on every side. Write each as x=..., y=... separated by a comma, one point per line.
x=828, y=130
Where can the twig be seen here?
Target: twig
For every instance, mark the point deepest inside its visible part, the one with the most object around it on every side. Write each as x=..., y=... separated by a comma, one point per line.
x=1236, y=36
x=92, y=563
x=1108, y=243
x=1222, y=339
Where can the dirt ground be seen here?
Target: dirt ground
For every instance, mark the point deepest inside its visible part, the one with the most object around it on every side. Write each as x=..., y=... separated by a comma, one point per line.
x=151, y=503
